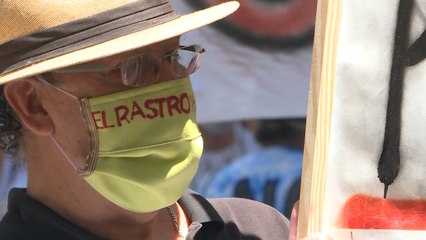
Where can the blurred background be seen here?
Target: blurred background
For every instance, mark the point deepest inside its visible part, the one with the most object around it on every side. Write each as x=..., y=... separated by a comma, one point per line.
x=252, y=94
x=257, y=61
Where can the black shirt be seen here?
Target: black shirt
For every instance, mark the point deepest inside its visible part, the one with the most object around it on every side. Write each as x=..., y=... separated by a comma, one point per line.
x=224, y=218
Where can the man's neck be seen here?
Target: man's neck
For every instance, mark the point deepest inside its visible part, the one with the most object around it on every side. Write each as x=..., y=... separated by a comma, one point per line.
x=53, y=182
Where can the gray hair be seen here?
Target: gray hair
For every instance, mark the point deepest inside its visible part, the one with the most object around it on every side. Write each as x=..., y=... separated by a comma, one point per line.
x=11, y=137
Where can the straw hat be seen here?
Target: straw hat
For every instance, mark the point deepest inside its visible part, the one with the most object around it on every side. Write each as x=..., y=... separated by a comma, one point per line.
x=40, y=36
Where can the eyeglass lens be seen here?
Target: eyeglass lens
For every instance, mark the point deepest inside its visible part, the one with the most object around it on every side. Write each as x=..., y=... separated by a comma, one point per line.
x=145, y=68
x=139, y=70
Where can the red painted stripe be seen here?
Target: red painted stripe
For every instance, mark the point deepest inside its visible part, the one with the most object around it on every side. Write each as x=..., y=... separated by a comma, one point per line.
x=367, y=212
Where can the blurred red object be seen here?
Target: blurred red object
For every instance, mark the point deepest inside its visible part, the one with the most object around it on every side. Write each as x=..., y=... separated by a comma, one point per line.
x=367, y=212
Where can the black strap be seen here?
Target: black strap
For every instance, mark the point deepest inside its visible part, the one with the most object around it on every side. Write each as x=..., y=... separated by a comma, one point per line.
x=417, y=52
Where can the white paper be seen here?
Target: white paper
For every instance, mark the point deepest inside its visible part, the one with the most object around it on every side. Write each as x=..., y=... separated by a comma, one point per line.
x=359, y=110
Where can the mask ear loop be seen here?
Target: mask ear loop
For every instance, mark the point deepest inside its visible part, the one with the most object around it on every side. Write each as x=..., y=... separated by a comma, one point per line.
x=65, y=154
x=85, y=109
x=43, y=80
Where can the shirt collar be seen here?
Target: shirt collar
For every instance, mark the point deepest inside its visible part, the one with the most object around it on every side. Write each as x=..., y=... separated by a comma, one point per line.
x=203, y=215
x=204, y=218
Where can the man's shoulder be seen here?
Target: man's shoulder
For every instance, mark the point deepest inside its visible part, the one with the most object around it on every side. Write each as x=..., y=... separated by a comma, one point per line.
x=246, y=207
x=236, y=218
x=13, y=231
x=13, y=227
x=252, y=218
x=27, y=218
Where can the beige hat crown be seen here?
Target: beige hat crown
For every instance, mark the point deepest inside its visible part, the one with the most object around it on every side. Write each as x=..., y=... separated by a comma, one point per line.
x=50, y=13
x=39, y=36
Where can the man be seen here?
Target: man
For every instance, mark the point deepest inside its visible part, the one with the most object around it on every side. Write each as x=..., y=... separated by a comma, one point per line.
x=98, y=97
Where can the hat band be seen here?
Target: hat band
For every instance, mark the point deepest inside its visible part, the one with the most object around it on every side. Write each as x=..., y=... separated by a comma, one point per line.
x=83, y=33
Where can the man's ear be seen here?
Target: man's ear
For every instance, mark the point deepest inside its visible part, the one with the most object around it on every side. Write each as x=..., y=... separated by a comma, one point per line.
x=24, y=97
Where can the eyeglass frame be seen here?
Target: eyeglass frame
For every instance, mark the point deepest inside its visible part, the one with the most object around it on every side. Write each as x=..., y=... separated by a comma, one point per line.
x=100, y=68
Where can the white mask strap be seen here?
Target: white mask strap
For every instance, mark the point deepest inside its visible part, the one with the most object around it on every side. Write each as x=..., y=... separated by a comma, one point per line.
x=42, y=79
x=64, y=153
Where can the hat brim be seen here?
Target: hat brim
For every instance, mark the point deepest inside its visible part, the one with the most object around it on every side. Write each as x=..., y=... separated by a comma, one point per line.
x=158, y=33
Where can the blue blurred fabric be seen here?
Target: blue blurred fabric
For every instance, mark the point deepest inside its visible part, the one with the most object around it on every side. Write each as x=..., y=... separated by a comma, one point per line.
x=10, y=176
x=276, y=166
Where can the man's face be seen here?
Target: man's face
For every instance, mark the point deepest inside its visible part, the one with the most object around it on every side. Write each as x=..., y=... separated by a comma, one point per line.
x=69, y=129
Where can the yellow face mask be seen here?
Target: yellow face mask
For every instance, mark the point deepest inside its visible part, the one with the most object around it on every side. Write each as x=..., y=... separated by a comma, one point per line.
x=145, y=144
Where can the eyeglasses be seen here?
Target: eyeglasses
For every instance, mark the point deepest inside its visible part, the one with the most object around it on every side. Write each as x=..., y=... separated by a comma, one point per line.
x=144, y=69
